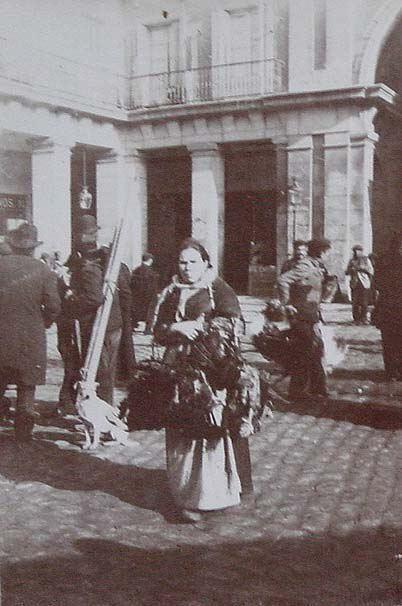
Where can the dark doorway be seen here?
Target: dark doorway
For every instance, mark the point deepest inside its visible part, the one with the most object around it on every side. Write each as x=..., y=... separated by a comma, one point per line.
x=250, y=234
x=169, y=222
x=169, y=206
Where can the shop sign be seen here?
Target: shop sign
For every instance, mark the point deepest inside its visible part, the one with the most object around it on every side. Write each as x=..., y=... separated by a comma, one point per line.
x=13, y=205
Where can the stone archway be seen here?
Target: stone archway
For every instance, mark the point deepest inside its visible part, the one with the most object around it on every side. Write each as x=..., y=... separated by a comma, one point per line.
x=387, y=198
x=378, y=31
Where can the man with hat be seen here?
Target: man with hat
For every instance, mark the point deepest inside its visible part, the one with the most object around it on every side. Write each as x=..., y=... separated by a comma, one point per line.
x=361, y=271
x=29, y=303
x=300, y=289
x=85, y=296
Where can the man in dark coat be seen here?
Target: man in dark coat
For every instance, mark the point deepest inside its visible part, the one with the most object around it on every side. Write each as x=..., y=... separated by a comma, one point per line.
x=29, y=303
x=144, y=288
x=84, y=298
x=361, y=272
x=300, y=289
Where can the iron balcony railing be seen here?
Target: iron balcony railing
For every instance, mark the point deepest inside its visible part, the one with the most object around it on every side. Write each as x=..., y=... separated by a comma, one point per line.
x=34, y=72
x=207, y=83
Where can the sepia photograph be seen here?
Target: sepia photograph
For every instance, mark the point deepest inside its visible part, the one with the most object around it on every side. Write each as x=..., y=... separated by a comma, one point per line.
x=200, y=303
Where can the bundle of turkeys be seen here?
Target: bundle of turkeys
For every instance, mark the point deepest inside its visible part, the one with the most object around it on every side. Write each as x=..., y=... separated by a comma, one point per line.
x=189, y=395
x=276, y=344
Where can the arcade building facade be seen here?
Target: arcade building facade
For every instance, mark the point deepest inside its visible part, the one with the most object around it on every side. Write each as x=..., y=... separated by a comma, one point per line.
x=246, y=124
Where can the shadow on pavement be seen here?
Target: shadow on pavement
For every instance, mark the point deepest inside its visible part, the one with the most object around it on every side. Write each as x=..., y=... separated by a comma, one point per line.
x=41, y=461
x=358, y=374
x=348, y=411
x=354, y=569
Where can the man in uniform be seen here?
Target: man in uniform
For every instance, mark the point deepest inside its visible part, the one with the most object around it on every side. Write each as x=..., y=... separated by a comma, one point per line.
x=29, y=303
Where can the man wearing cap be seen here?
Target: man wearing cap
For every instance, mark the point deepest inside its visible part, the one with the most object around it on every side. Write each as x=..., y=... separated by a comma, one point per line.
x=87, y=266
x=361, y=271
x=299, y=252
x=29, y=303
x=301, y=289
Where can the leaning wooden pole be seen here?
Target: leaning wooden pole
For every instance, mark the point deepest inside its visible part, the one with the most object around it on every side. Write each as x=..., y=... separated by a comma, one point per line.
x=89, y=370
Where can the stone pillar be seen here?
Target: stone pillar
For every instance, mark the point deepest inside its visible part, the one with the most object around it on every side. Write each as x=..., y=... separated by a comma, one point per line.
x=300, y=165
x=208, y=199
x=51, y=195
x=120, y=183
x=362, y=147
x=282, y=211
x=337, y=216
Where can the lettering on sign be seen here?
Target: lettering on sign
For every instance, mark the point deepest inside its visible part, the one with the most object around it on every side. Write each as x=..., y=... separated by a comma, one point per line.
x=14, y=203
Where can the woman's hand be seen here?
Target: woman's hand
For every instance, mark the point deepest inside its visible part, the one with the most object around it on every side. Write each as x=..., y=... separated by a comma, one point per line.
x=190, y=329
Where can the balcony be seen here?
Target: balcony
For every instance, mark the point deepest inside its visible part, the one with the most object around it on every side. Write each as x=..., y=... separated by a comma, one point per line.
x=42, y=76
x=232, y=80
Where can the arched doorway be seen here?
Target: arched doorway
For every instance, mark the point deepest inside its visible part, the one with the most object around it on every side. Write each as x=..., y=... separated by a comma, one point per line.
x=387, y=195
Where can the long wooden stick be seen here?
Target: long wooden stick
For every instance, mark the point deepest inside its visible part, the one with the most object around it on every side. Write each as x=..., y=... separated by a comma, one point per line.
x=90, y=368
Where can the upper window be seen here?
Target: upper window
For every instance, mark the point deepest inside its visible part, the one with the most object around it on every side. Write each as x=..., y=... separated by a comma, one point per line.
x=164, y=47
x=242, y=35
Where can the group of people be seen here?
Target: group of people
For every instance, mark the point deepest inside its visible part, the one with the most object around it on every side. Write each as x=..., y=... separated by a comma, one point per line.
x=205, y=473
x=34, y=293
x=305, y=282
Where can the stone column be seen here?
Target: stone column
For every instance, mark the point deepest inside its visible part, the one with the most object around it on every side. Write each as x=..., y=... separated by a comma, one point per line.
x=282, y=211
x=208, y=199
x=337, y=216
x=361, y=164
x=51, y=195
x=300, y=166
x=120, y=183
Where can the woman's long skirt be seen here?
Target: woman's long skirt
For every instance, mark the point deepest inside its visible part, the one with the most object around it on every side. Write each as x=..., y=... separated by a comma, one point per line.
x=202, y=473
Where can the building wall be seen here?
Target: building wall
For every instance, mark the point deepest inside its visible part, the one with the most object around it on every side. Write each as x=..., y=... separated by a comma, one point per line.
x=66, y=49
x=71, y=70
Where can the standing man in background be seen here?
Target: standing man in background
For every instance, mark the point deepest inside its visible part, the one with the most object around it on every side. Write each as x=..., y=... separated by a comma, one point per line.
x=144, y=288
x=29, y=303
x=361, y=271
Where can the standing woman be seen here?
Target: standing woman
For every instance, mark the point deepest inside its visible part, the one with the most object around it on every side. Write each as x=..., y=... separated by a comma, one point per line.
x=388, y=310
x=202, y=473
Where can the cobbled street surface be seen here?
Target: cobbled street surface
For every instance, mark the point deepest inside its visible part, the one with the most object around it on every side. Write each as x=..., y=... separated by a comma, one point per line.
x=99, y=529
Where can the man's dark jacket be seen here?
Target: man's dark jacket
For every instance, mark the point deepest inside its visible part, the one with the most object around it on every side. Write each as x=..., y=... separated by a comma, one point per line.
x=302, y=286
x=144, y=287
x=29, y=303
x=87, y=275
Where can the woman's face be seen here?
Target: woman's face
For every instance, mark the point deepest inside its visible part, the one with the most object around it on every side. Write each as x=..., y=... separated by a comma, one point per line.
x=191, y=265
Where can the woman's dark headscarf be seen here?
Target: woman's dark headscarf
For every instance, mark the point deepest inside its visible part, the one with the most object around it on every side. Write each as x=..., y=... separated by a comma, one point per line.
x=193, y=243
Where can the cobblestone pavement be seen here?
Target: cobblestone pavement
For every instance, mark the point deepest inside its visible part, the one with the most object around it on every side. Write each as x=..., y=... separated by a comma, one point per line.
x=99, y=529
